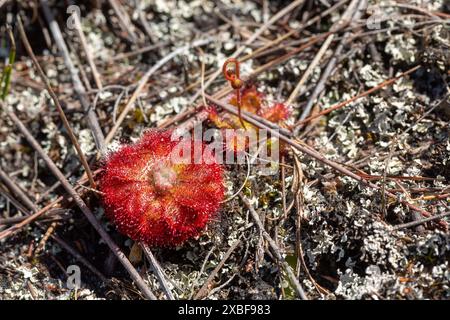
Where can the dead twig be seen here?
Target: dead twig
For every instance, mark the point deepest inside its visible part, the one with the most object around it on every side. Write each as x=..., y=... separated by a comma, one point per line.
x=204, y=289
x=299, y=203
x=320, y=86
x=422, y=221
x=17, y=227
x=55, y=99
x=61, y=242
x=124, y=19
x=158, y=271
x=276, y=250
x=363, y=94
x=78, y=85
x=88, y=53
x=15, y=189
x=345, y=19
x=294, y=31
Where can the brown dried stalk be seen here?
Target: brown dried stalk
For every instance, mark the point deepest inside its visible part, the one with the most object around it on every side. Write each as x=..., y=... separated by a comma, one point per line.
x=55, y=99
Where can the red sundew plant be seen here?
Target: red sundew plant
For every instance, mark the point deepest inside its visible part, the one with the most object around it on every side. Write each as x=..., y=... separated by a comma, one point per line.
x=153, y=197
x=252, y=101
x=249, y=99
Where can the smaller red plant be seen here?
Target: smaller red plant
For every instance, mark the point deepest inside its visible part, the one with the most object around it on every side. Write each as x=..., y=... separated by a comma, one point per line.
x=150, y=197
x=252, y=101
x=245, y=98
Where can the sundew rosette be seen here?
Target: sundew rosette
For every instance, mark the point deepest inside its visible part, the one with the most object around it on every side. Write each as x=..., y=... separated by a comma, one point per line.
x=154, y=194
